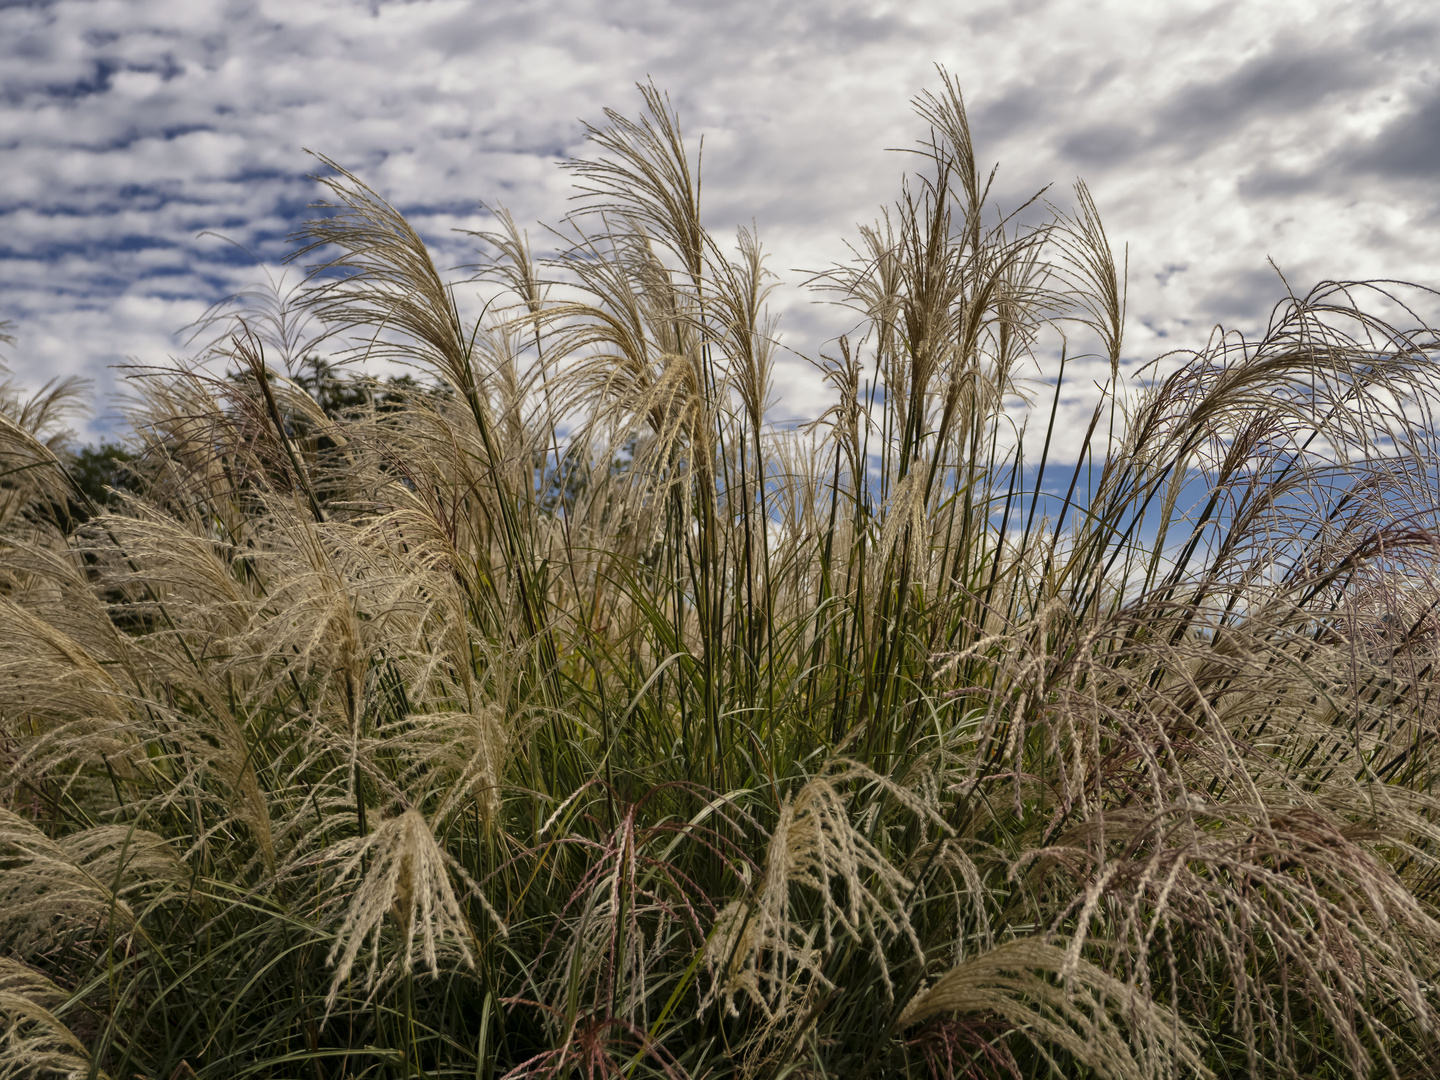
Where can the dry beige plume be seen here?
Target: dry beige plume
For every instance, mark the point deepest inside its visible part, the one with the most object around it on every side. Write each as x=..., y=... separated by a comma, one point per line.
x=1059, y=1002
x=764, y=951
x=33, y=1041
x=89, y=878
x=462, y=754
x=405, y=876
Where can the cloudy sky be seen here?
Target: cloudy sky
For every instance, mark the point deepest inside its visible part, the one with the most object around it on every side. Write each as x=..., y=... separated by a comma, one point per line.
x=1214, y=136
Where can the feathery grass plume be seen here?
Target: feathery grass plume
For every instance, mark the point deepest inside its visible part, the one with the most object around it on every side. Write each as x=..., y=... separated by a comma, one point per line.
x=33, y=431
x=670, y=740
x=275, y=312
x=45, y=413
x=75, y=713
x=1101, y=1022
x=78, y=889
x=33, y=1041
x=815, y=848
x=407, y=879
x=462, y=756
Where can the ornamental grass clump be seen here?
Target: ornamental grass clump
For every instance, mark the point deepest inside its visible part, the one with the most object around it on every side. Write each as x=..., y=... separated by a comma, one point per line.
x=555, y=712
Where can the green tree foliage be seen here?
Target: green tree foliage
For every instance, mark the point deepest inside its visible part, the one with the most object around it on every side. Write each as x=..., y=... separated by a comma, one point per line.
x=101, y=470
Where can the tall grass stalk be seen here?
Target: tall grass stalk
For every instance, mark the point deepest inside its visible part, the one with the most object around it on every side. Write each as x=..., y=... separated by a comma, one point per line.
x=558, y=714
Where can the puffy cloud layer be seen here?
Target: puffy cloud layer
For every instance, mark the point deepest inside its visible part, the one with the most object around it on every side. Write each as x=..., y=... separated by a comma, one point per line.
x=1214, y=137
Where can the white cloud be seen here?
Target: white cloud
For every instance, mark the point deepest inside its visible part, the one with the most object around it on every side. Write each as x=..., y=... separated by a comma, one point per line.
x=1213, y=136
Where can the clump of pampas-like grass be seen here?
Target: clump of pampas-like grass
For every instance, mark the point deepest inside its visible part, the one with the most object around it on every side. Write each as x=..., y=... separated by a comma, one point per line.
x=554, y=712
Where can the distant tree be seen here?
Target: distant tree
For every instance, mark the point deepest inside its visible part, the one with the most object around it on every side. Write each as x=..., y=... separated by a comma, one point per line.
x=338, y=392
x=102, y=470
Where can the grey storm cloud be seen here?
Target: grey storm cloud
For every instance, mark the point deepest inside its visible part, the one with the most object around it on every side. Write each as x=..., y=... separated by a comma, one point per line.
x=1408, y=148
x=1215, y=137
x=1270, y=89
x=1403, y=154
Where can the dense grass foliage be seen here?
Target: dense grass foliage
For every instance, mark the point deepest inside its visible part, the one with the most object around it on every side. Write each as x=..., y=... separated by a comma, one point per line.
x=553, y=713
